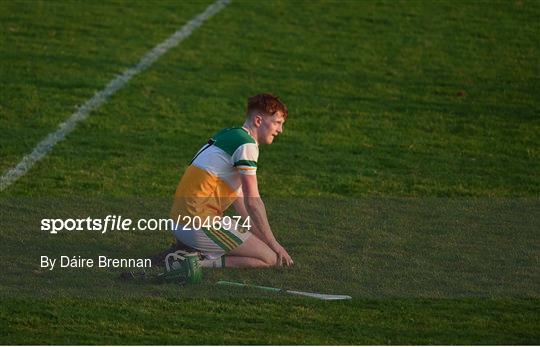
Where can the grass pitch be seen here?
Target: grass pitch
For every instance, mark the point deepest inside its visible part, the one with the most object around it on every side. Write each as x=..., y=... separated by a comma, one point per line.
x=392, y=104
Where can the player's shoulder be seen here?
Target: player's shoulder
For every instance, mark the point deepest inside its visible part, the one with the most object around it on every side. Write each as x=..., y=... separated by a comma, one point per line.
x=230, y=139
x=237, y=134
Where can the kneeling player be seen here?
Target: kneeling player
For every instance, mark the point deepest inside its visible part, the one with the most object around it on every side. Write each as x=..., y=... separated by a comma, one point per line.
x=222, y=173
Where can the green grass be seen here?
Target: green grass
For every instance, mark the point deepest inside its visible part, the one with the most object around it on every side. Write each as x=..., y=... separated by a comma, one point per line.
x=248, y=321
x=407, y=175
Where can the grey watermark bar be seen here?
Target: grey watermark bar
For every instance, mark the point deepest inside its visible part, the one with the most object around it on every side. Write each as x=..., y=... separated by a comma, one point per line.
x=365, y=248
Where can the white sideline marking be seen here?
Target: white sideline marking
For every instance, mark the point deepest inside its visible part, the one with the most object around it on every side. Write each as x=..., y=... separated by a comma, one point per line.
x=46, y=145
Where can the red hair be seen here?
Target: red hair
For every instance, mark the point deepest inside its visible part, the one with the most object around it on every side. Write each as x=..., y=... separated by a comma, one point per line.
x=266, y=103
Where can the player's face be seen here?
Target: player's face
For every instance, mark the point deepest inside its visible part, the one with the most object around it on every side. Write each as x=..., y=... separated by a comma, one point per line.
x=271, y=126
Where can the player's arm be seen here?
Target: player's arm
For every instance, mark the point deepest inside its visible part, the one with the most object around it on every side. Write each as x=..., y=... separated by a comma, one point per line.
x=240, y=207
x=255, y=208
x=241, y=210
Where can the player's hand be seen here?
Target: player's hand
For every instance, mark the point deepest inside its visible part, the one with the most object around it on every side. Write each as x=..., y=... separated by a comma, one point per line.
x=283, y=257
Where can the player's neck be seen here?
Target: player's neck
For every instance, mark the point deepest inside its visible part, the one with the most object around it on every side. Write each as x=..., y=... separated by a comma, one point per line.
x=250, y=131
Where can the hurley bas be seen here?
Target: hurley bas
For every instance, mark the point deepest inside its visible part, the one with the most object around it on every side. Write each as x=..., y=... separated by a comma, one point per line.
x=102, y=261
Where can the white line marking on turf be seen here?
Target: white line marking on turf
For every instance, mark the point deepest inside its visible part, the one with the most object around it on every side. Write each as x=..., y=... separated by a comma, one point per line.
x=46, y=145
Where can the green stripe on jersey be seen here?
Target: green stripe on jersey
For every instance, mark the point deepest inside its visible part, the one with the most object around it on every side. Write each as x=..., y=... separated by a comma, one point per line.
x=246, y=163
x=231, y=138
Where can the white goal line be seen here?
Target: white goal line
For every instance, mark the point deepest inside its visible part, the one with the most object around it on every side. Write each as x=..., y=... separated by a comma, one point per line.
x=47, y=144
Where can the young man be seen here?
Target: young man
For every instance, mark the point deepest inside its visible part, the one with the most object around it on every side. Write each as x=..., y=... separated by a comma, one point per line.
x=224, y=173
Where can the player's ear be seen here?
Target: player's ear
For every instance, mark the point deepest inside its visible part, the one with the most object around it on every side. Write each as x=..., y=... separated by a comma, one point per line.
x=257, y=120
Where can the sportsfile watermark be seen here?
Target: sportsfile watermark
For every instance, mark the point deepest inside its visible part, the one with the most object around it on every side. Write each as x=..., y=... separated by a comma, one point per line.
x=112, y=223
x=369, y=248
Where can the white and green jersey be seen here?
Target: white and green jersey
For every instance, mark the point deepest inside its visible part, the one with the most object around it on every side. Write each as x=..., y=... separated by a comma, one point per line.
x=212, y=182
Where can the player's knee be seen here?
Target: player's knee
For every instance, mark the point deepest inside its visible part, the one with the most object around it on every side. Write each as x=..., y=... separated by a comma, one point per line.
x=270, y=259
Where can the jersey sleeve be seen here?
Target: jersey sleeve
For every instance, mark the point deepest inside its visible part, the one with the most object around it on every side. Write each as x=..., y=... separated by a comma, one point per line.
x=245, y=158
